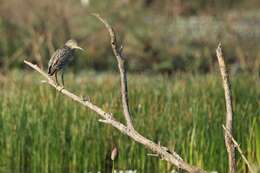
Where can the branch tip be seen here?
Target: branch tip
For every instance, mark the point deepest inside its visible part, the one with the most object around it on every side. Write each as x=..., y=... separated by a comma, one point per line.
x=219, y=50
x=104, y=121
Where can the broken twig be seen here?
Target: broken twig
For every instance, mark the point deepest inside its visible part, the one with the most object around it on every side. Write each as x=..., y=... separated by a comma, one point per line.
x=229, y=115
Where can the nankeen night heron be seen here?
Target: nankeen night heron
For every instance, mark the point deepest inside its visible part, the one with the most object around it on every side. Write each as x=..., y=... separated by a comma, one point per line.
x=61, y=58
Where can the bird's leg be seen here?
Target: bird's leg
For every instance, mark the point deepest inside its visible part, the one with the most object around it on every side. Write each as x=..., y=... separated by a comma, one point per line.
x=56, y=78
x=62, y=77
x=60, y=87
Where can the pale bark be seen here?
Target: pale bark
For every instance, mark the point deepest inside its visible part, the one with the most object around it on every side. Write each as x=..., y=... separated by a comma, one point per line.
x=239, y=150
x=229, y=110
x=163, y=152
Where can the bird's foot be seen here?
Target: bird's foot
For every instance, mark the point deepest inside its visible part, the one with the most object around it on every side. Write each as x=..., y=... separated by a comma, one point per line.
x=85, y=98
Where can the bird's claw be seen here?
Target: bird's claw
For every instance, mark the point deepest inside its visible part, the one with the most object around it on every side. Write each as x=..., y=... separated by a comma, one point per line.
x=85, y=98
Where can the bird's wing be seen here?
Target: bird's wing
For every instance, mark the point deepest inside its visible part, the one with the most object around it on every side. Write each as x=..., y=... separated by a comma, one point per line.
x=55, y=60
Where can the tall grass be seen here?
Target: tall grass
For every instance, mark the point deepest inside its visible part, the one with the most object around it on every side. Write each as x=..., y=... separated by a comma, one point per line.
x=42, y=131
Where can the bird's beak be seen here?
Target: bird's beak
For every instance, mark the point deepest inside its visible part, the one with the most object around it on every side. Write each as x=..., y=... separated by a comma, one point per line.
x=80, y=48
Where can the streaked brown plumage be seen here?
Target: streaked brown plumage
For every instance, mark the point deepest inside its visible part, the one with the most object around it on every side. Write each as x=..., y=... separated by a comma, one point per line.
x=60, y=59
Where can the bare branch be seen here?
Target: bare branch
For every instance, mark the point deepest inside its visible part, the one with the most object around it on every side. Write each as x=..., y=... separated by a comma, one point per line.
x=152, y=155
x=229, y=115
x=239, y=149
x=117, y=50
x=163, y=152
x=104, y=121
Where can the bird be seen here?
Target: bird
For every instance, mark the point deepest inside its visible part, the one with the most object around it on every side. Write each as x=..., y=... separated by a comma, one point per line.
x=60, y=58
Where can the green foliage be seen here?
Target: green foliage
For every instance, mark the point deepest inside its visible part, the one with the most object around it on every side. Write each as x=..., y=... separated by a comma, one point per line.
x=42, y=131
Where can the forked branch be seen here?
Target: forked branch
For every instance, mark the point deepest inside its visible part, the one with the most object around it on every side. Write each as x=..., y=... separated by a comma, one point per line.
x=239, y=150
x=117, y=50
x=163, y=152
x=229, y=114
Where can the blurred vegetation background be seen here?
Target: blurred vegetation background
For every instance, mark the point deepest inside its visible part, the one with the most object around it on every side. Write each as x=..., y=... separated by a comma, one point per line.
x=40, y=131
x=158, y=36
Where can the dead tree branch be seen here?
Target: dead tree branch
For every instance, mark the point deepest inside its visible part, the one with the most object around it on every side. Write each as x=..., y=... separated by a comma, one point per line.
x=229, y=114
x=163, y=152
x=117, y=50
x=239, y=149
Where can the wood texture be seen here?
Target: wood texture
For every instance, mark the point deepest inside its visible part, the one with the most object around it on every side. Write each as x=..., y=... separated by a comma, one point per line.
x=229, y=110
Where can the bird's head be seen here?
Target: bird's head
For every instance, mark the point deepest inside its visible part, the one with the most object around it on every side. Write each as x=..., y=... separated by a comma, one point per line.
x=73, y=45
